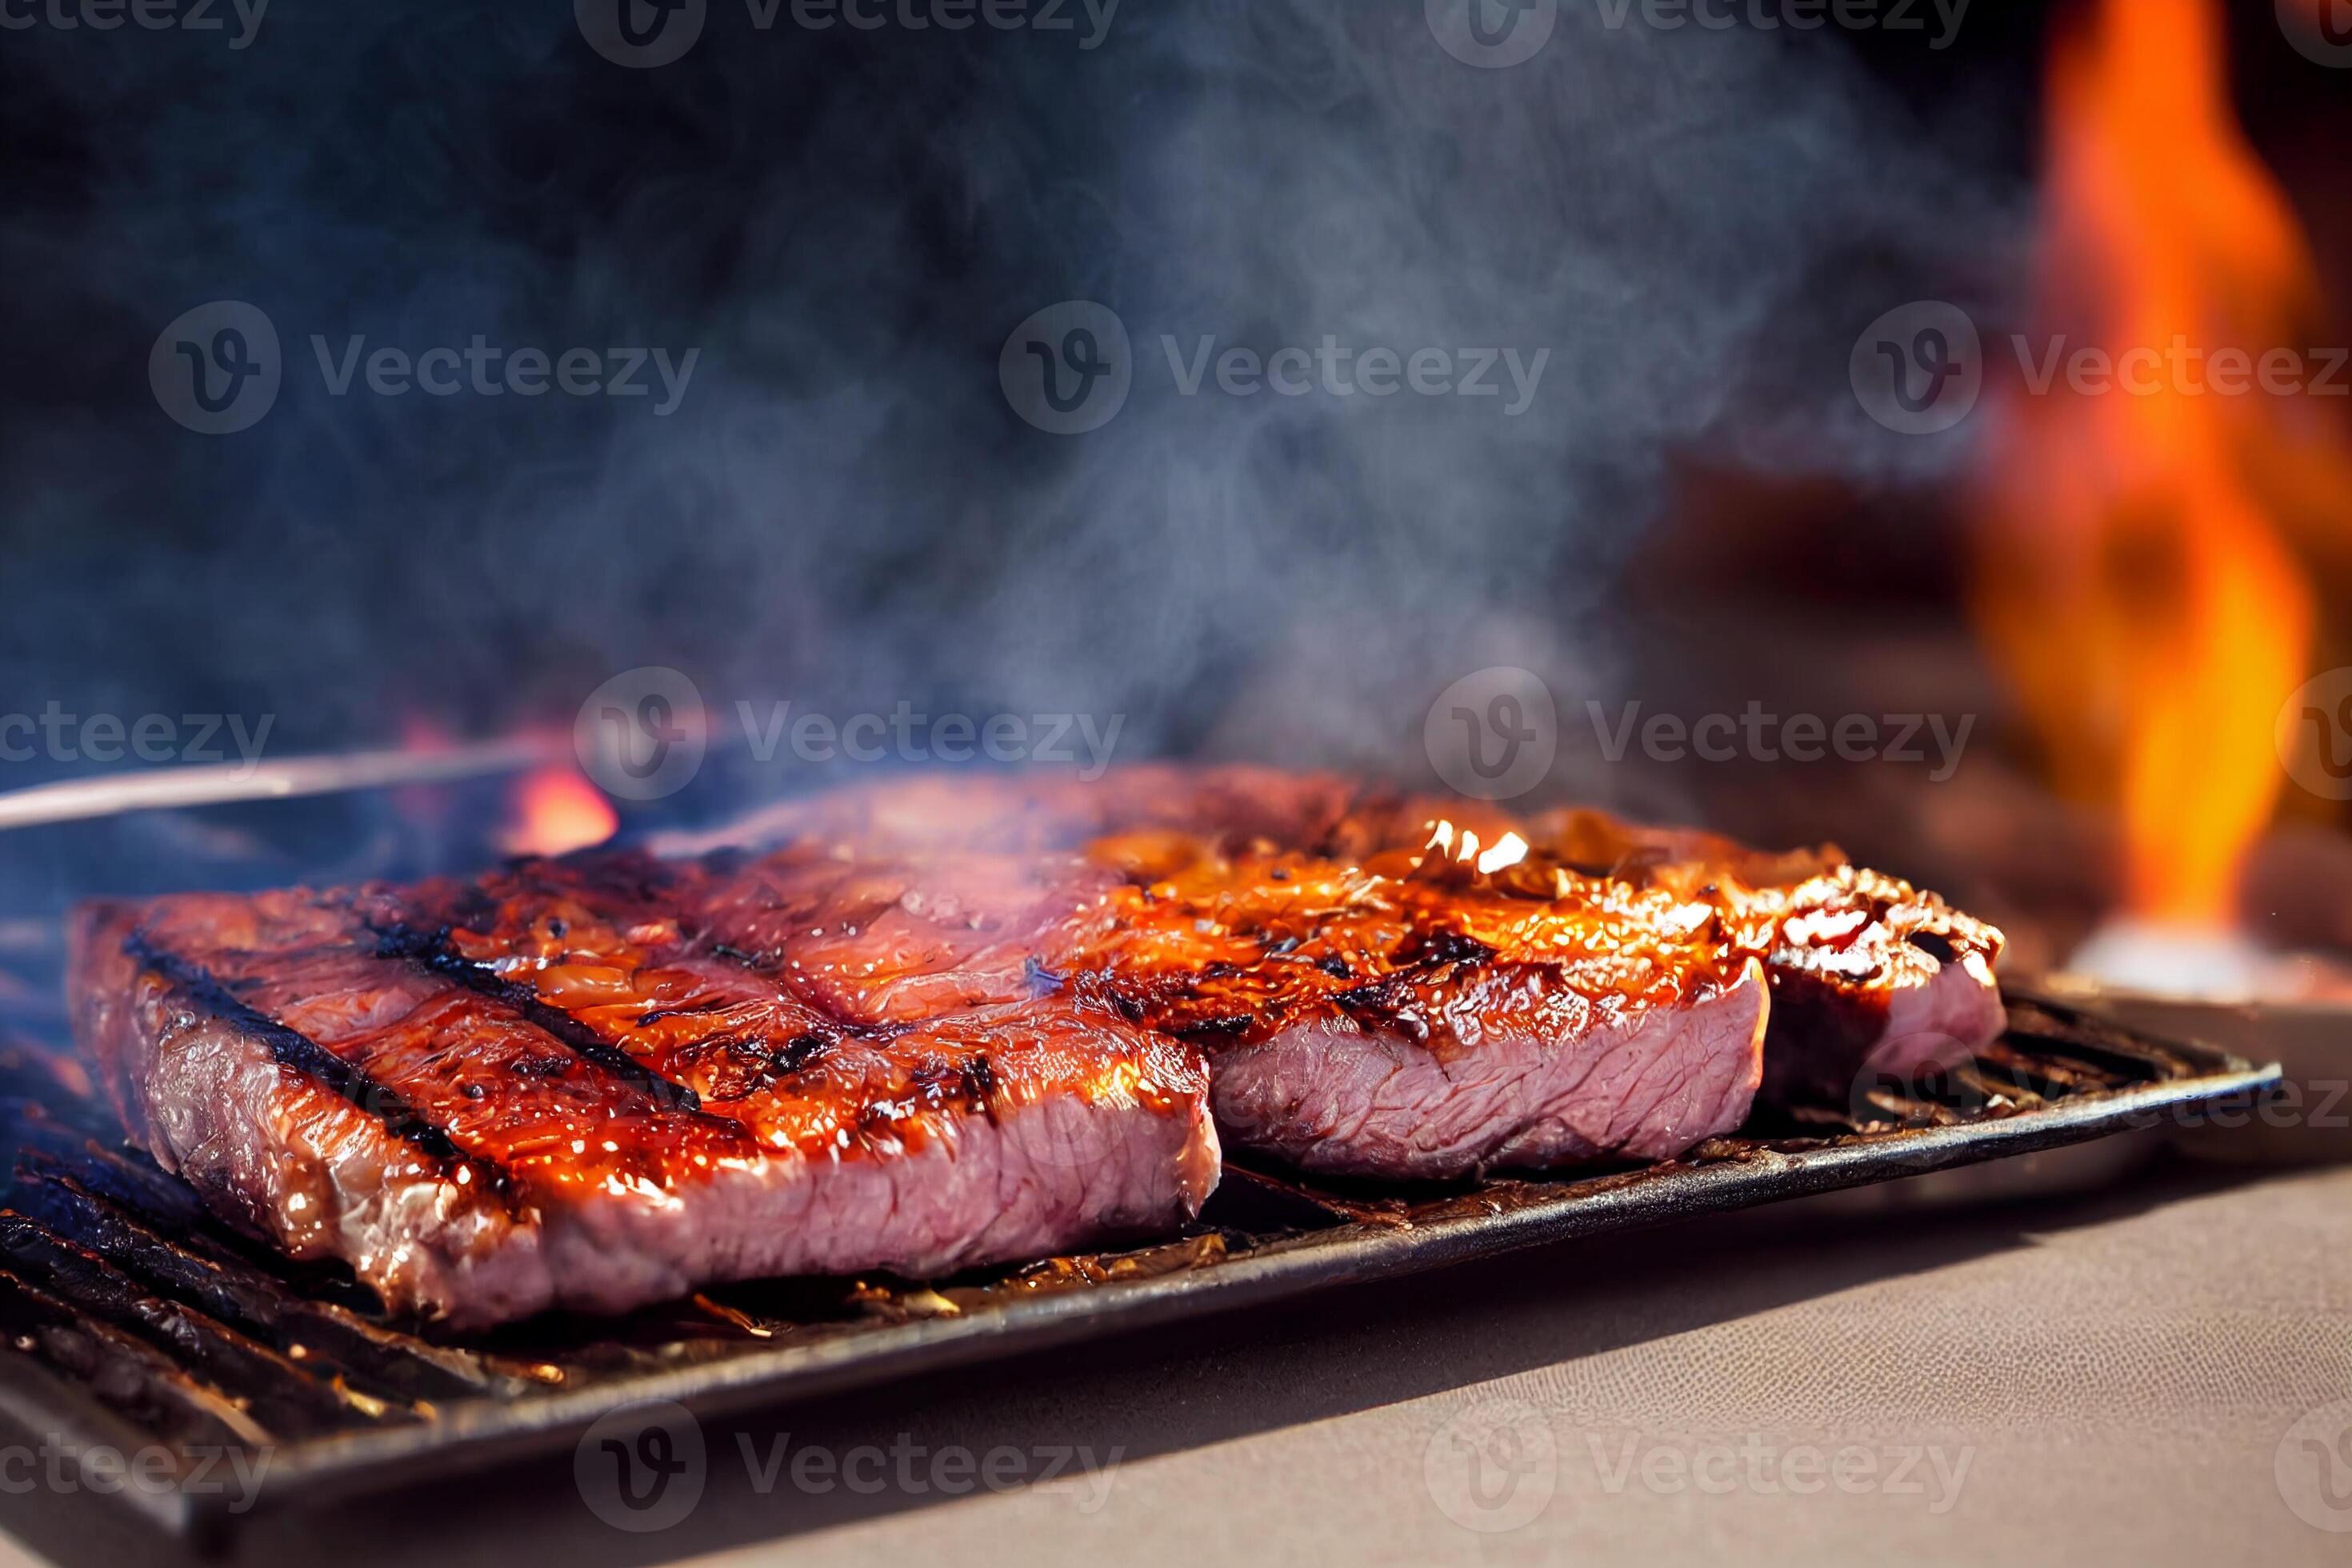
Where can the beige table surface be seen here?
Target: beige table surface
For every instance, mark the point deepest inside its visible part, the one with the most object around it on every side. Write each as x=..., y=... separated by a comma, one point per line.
x=2128, y=1375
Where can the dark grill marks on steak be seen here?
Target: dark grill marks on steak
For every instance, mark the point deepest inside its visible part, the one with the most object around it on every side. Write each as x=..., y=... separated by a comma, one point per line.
x=1867, y=973
x=950, y=1024
x=431, y=952
x=817, y=1146
x=619, y=947
x=1870, y=976
x=194, y=988
x=1313, y=982
x=546, y=1115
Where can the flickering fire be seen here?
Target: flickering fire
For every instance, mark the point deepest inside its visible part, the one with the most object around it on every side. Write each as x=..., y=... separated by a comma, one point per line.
x=2138, y=578
x=557, y=811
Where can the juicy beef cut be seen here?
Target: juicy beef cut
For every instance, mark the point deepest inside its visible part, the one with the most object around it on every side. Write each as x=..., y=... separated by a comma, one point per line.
x=1871, y=978
x=1868, y=975
x=941, y=1023
x=548, y=1090
x=1380, y=1018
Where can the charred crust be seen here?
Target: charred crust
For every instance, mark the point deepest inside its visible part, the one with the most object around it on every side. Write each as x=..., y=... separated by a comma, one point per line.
x=1379, y=997
x=431, y=952
x=1230, y=1025
x=1935, y=945
x=1440, y=947
x=194, y=988
x=980, y=1083
x=801, y=1051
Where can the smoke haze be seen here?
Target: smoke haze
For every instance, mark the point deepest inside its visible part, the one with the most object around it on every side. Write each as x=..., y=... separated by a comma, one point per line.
x=843, y=509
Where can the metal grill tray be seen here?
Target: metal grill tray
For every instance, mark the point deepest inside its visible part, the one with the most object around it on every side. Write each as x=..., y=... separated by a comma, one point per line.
x=133, y=1319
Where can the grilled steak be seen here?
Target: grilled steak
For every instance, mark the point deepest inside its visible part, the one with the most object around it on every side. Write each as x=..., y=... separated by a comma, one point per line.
x=1379, y=1018
x=1869, y=976
x=564, y=1099
x=949, y=1023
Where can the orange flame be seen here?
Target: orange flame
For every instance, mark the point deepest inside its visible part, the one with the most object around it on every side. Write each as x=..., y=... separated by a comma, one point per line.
x=2135, y=581
x=557, y=811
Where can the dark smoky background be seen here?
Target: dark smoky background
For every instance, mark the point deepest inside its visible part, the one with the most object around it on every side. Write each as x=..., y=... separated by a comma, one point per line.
x=843, y=510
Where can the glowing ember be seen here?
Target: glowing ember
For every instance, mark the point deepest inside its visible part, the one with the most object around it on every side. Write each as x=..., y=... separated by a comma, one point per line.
x=557, y=811
x=2136, y=579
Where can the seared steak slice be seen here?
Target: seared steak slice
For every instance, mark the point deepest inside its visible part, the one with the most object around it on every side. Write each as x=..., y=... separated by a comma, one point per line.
x=548, y=1107
x=1382, y=1018
x=1869, y=975
x=949, y=1023
x=1871, y=978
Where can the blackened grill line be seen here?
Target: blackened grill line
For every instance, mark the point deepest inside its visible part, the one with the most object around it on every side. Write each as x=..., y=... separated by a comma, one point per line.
x=660, y=883
x=197, y=987
x=431, y=952
x=597, y=881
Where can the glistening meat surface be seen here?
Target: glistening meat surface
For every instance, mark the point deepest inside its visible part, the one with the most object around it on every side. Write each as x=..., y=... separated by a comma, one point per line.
x=1869, y=975
x=1381, y=1016
x=942, y=1024
x=482, y=1127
